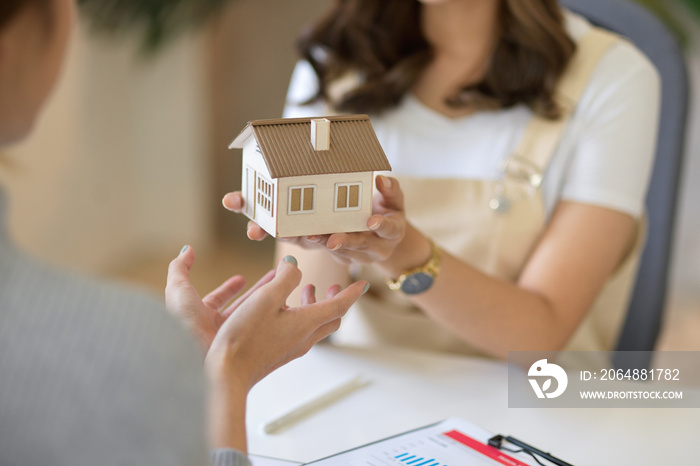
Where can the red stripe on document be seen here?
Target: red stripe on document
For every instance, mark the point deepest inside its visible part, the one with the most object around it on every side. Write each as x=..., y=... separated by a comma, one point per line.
x=487, y=450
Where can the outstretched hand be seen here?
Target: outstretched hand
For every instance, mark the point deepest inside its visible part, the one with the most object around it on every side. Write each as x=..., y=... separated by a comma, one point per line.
x=264, y=333
x=257, y=333
x=387, y=227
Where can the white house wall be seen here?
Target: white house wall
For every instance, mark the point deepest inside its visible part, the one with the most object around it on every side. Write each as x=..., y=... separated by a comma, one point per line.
x=252, y=159
x=324, y=220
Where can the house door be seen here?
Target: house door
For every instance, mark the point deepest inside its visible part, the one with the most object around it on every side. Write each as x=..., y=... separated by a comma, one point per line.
x=250, y=192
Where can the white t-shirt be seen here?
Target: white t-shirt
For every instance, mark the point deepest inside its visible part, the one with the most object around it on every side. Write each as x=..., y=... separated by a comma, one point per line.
x=604, y=158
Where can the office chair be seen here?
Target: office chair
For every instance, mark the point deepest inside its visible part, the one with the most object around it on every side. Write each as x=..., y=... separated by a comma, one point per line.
x=643, y=321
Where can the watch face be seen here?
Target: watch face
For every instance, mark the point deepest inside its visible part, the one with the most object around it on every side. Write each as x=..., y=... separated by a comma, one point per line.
x=417, y=283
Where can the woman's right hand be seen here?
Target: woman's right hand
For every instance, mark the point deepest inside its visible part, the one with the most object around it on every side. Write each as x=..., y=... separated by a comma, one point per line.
x=263, y=333
x=258, y=334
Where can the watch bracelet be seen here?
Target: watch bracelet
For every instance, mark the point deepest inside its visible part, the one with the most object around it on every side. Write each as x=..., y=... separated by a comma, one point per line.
x=431, y=266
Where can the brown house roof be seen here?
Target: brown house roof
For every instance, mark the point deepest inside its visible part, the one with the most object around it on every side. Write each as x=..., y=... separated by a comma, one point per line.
x=285, y=145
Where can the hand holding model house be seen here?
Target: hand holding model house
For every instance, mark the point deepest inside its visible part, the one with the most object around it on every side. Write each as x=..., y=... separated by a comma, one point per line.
x=309, y=176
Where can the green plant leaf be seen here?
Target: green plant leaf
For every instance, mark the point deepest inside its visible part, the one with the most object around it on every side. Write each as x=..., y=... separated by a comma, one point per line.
x=693, y=5
x=157, y=21
x=663, y=9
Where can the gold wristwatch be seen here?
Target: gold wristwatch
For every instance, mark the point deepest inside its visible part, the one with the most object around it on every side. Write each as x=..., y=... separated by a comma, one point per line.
x=420, y=279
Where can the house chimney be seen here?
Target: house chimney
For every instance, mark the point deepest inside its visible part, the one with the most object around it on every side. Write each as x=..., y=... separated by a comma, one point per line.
x=320, y=133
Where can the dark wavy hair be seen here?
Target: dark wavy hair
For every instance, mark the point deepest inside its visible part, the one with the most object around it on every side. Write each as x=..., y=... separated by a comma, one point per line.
x=382, y=40
x=9, y=8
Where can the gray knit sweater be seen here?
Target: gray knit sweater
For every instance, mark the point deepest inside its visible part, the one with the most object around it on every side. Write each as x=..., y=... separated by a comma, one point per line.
x=94, y=374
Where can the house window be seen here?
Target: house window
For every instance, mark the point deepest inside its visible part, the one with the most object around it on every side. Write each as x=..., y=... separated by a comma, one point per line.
x=348, y=196
x=302, y=199
x=263, y=194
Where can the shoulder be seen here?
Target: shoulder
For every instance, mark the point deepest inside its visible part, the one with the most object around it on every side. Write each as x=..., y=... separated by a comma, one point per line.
x=94, y=364
x=75, y=303
x=622, y=65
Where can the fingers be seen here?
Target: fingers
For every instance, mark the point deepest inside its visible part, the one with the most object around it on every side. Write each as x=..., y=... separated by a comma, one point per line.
x=267, y=278
x=255, y=232
x=330, y=311
x=336, y=306
x=233, y=201
x=338, y=241
x=287, y=278
x=179, y=268
x=182, y=300
x=389, y=226
x=314, y=240
x=225, y=292
x=369, y=247
x=332, y=291
x=391, y=194
x=308, y=295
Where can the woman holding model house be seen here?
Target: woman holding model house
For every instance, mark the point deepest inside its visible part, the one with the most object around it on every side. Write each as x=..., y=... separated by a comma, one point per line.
x=521, y=140
x=93, y=373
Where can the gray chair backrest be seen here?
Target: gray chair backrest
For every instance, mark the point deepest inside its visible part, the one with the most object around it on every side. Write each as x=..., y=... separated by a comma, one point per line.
x=634, y=22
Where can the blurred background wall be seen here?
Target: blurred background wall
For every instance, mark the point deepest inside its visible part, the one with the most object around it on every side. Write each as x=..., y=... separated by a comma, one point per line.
x=130, y=160
x=118, y=166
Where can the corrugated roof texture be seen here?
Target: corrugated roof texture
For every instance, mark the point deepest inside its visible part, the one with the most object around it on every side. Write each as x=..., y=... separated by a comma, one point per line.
x=286, y=146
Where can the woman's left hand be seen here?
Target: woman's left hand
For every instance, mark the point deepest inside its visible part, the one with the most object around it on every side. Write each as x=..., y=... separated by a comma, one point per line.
x=387, y=229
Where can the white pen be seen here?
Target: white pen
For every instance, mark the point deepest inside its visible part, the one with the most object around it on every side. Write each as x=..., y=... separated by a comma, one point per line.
x=316, y=404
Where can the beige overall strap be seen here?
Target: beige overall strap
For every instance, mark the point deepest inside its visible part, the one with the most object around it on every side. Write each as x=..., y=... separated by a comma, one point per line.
x=541, y=137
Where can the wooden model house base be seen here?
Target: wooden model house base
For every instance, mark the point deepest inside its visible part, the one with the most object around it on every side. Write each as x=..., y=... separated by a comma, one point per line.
x=309, y=176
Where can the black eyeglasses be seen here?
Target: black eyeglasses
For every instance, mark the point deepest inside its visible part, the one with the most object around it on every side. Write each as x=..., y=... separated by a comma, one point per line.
x=497, y=442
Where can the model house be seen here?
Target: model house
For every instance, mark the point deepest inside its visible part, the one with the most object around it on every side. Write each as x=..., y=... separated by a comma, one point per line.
x=308, y=176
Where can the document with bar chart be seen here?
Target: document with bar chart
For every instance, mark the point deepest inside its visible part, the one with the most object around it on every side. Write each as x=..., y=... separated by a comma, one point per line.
x=453, y=442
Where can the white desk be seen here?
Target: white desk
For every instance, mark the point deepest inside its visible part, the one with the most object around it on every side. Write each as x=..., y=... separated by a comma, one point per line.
x=411, y=389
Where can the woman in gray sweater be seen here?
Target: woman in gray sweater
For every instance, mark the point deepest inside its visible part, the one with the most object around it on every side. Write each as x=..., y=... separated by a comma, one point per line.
x=94, y=374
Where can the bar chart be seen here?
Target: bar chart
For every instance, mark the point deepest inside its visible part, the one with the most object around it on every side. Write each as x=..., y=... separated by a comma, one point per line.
x=407, y=458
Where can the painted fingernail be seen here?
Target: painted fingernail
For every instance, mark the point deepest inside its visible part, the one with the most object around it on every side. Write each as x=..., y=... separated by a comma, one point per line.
x=313, y=289
x=184, y=248
x=291, y=259
x=366, y=288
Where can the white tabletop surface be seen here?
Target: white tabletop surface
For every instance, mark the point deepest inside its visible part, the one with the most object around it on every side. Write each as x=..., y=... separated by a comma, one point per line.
x=414, y=388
